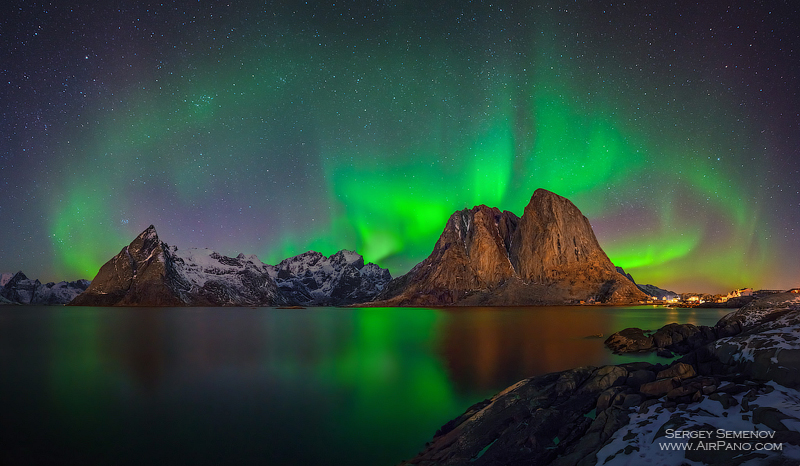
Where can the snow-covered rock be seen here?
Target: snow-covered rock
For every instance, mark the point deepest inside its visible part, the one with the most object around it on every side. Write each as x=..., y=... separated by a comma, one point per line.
x=19, y=289
x=758, y=425
x=149, y=272
x=732, y=402
x=762, y=310
x=343, y=278
x=5, y=277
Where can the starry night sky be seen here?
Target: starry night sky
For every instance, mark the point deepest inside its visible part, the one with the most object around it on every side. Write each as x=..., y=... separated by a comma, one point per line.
x=272, y=128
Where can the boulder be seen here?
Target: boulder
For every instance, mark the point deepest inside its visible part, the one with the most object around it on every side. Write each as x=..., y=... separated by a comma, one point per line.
x=603, y=378
x=637, y=378
x=545, y=417
x=630, y=340
x=673, y=333
x=680, y=370
x=659, y=388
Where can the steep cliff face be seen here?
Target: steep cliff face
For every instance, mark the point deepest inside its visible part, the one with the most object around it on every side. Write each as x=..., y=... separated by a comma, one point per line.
x=486, y=257
x=555, y=245
x=471, y=255
x=150, y=273
x=135, y=276
x=554, y=241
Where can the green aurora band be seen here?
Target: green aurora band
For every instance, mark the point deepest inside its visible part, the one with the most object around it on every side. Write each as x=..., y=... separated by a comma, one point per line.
x=371, y=146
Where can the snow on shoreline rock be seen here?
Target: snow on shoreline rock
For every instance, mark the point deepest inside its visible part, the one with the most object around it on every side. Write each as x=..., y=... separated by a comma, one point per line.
x=748, y=427
x=740, y=392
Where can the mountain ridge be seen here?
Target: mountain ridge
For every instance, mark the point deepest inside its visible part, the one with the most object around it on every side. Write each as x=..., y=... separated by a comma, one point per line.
x=19, y=289
x=313, y=279
x=149, y=272
x=484, y=256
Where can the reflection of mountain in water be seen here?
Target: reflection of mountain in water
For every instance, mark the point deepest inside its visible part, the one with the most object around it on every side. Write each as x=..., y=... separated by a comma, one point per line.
x=483, y=348
x=139, y=344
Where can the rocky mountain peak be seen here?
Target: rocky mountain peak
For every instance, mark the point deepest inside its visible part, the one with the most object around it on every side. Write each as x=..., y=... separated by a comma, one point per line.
x=487, y=257
x=5, y=277
x=145, y=244
x=16, y=278
x=148, y=272
x=249, y=258
x=554, y=237
x=311, y=278
x=347, y=257
x=626, y=275
x=20, y=289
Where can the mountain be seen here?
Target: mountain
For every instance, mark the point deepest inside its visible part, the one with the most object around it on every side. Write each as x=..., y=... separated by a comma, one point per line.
x=650, y=290
x=626, y=275
x=148, y=272
x=484, y=256
x=343, y=278
x=19, y=289
x=5, y=277
x=658, y=293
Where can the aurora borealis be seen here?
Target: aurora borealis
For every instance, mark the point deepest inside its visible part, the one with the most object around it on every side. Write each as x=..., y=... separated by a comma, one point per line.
x=272, y=128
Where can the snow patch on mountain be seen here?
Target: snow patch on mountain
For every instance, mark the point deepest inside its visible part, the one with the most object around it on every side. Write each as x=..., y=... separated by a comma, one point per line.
x=205, y=275
x=19, y=289
x=312, y=278
x=201, y=265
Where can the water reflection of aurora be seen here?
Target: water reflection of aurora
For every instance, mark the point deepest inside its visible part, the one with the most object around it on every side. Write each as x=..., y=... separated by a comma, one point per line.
x=354, y=386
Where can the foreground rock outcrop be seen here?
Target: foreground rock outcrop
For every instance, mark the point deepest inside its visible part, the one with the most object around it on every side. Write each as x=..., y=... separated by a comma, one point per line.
x=732, y=401
x=19, y=289
x=671, y=338
x=682, y=338
x=484, y=256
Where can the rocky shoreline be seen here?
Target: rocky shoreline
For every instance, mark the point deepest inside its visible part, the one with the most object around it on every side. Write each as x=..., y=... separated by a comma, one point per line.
x=731, y=399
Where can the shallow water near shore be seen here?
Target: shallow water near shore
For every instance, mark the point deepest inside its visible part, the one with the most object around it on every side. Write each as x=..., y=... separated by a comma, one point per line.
x=321, y=386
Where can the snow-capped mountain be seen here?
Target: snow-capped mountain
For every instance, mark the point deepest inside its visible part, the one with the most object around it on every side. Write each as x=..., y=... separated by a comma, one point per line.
x=148, y=272
x=343, y=278
x=19, y=289
x=5, y=277
x=222, y=280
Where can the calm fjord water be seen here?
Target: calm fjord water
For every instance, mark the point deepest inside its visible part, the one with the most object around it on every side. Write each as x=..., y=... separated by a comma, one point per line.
x=318, y=386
